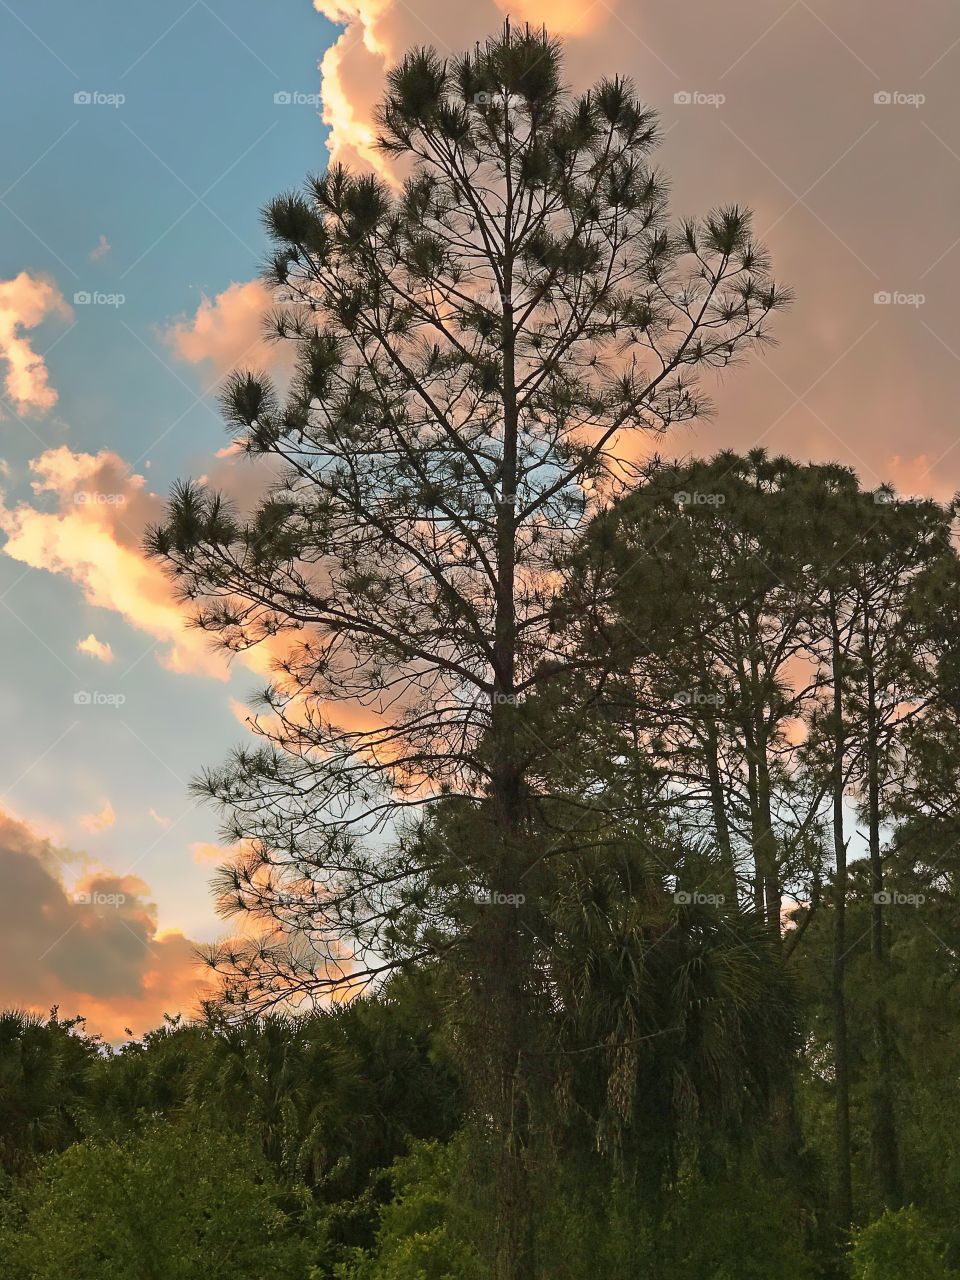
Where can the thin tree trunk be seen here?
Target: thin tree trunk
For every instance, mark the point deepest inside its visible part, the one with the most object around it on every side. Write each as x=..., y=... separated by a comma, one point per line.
x=767, y=847
x=721, y=822
x=844, y=1185
x=513, y=1244
x=885, y=1145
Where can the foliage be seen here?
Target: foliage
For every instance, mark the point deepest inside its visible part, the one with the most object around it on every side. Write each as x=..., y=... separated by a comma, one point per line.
x=901, y=1243
x=177, y=1202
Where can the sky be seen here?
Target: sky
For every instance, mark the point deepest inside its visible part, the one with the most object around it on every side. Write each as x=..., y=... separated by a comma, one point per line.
x=140, y=143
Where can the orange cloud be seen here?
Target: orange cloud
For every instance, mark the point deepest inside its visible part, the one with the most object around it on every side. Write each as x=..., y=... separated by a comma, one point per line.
x=227, y=331
x=203, y=851
x=101, y=821
x=914, y=477
x=852, y=380
x=25, y=302
x=378, y=32
x=95, y=648
x=561, y=17
x=93, y=949
x=93, y=538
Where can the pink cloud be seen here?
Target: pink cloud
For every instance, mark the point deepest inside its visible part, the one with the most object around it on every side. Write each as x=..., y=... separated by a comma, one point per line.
x=93, y=537
x=25, y=302
x=851, y=378
x=100, y=821
x=227, y=331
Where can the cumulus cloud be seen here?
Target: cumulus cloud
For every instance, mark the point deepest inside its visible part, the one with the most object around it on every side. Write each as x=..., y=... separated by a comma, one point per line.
x=93, y=537
x=100, y=821
x=95, y=648
x=158, y=818
x=93, y=948
x=227, y=331
x=25, y=302
x=816, y=167
x=100, y=251
x=378, y=32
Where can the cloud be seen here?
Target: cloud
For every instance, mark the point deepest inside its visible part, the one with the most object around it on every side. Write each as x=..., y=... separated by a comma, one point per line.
x=203, y=851
x=916, y=477
x=101, y=821
x=158, y=818
x=93, y=538
x=103, y=247
x=850, y=377
x=378, y=32
x=561, y=17
x=93, y=948
x=95, y=648
x=25, y=302
x=228, y=332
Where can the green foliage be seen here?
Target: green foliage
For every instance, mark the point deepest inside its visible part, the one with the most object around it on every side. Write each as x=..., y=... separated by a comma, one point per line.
x=429, y=1230
x=44, y=1067
x=740, y=1224
x=179, y=1202
x=745, y=1224
x=902, y=1245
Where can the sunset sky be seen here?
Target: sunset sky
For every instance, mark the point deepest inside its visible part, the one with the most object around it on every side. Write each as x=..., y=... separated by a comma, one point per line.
x=145, y=140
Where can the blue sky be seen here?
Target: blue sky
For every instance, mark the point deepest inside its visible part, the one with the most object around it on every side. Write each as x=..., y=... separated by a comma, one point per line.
x=173, y=179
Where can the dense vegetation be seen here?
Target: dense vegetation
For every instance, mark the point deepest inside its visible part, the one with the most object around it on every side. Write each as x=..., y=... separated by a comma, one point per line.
x=684, y=1112
x=608, y=925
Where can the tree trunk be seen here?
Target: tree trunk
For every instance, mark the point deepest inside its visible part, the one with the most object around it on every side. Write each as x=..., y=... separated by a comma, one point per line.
x=721, y=823
x=844, y=1185
x=885, y=1145
x=507, y=1004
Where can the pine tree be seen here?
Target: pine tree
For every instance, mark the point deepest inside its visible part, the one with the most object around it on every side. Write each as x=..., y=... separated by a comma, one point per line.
x=472, y=349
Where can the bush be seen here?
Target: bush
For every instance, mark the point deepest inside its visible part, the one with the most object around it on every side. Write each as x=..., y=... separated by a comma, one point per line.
x=899, y=1245
x=176, y=1203
x=426, y=1229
